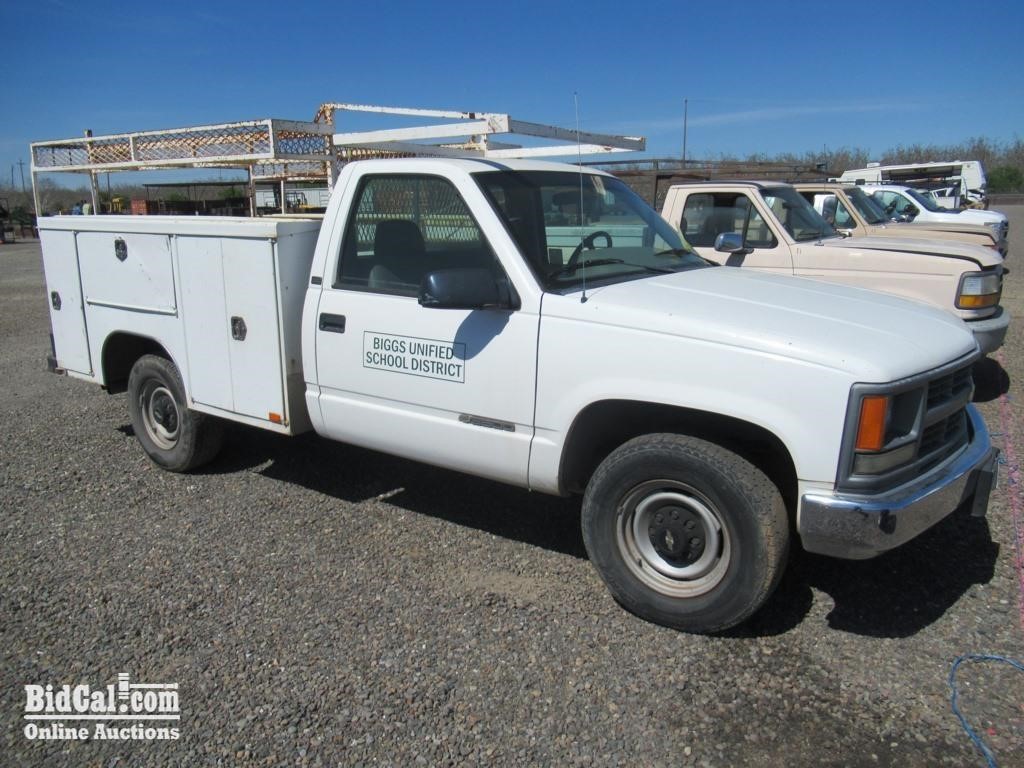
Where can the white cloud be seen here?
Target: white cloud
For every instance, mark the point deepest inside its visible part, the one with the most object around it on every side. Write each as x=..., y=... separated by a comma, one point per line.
x=783, y=113
x=673, y=124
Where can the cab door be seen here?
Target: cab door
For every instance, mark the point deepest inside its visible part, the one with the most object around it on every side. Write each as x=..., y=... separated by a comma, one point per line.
x=707, y=215
x=448, y=387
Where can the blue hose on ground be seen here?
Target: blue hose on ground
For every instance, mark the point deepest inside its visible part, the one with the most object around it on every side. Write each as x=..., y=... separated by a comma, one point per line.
x=955, y=698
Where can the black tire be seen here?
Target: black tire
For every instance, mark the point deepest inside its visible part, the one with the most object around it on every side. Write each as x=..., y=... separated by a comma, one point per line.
x=685, y=533
x=174, y=437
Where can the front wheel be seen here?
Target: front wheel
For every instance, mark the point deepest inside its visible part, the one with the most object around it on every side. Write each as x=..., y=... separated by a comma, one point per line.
x=684, y=532
x=174, y=437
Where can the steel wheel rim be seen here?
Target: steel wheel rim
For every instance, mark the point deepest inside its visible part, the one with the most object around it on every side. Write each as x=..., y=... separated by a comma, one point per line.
x=160, y=415
x=660, y=553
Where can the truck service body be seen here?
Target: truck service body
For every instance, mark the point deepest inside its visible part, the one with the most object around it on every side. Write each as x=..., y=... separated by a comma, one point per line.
x=964, y=179
x=441, y=313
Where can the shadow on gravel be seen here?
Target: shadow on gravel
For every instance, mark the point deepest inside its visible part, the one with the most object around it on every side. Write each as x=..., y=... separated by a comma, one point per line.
x=895, y=595
x=358, y=475
x=990, y=380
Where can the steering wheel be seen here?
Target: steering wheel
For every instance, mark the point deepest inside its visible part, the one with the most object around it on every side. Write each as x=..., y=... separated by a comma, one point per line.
x=588, y=242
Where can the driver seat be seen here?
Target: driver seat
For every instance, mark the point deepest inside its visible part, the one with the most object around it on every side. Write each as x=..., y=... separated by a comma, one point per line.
x=400, y=256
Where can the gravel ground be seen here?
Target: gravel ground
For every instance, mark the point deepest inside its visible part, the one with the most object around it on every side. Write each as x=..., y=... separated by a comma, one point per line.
x=323, y=605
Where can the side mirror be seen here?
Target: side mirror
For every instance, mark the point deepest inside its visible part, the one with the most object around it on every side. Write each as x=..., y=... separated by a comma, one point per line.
x=729, y=242
x=465, y=288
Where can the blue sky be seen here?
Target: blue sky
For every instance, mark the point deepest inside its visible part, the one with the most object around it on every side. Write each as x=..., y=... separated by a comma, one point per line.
x=760, y=77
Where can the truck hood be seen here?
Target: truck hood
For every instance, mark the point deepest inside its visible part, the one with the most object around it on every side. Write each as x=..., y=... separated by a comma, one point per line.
x=974, y=216
x=922, y=228
x=952, y=249
x=872, y=336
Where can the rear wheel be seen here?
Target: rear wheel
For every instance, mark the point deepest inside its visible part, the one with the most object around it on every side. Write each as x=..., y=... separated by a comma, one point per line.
x=685, y=533
x=174, y=437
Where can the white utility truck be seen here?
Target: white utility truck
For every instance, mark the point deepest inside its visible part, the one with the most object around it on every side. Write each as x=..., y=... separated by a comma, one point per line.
x=442, y=312
x=962, y=182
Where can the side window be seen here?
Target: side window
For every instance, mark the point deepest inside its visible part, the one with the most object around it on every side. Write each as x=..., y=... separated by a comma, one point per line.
x=404, y=227
x=843, y=218
x=696, y=211
x=888, y=200
x=758, y=234
x=706, y=216
x=828, y=208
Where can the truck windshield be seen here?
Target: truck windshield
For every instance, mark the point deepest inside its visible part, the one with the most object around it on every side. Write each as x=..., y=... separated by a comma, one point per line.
x=924, y=201
x=866, y=206
x=572, y=227
x=796, y=215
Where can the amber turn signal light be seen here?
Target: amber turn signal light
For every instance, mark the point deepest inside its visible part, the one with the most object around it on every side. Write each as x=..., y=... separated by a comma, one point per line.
x=871, y=429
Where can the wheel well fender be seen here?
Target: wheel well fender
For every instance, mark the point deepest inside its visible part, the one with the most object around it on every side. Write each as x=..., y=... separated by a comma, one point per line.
x=605, y=425
x=120, y=351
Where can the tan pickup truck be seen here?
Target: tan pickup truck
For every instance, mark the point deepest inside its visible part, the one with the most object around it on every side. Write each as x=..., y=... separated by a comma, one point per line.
x=769, y=226
x=852, y=211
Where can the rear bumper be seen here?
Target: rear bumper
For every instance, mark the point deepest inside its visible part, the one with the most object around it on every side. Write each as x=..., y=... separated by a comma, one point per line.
x=857, y=528
x=990, y=331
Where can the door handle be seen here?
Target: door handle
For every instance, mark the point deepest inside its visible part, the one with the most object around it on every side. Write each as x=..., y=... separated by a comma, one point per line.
x=332, y=323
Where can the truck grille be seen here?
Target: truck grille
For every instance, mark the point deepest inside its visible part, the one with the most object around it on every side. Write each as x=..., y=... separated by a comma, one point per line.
x=949, y=387
x=942, y=439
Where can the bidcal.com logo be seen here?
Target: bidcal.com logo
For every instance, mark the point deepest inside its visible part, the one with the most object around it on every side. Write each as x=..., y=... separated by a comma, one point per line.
x=121, y=711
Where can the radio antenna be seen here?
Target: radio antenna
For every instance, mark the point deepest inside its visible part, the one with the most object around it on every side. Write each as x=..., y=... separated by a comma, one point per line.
x=579, y=165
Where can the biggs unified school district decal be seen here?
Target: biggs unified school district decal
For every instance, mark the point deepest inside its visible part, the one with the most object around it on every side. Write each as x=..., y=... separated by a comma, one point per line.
x=445, y=360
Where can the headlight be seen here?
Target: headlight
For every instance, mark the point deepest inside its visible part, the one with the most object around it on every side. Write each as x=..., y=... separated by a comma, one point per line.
x=896, y=432
x=979, y=290
x=885, y=429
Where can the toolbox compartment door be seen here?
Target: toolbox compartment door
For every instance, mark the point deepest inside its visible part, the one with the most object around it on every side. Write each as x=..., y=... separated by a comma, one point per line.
x=232, y=324
x=64, y=296
x=130, y=270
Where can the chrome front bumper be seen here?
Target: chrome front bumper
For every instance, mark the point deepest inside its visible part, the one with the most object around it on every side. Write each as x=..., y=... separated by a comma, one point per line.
x=990, y=332
x=857, y=528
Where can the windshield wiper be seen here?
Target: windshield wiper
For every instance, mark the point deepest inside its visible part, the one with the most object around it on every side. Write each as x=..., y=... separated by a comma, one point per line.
x=674, y=252
x=680, y=252
x=814, y=234
x=568, y=269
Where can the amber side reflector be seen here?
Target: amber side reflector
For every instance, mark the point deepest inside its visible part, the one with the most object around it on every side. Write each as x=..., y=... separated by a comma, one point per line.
x=276, y=418
x=871, y=429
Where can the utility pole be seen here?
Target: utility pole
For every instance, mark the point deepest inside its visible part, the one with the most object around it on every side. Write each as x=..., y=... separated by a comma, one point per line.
x=21, y=167
x=686, y=109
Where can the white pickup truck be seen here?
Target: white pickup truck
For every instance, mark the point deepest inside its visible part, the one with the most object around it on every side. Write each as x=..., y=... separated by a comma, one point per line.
x=907, y=204
x=769, y=226
x=442, y=312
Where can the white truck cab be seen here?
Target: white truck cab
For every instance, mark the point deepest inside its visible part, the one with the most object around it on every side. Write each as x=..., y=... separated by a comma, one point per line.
x=540, y=325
